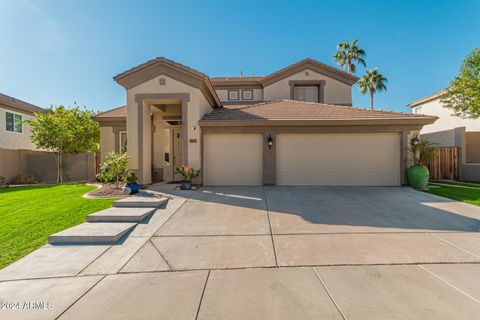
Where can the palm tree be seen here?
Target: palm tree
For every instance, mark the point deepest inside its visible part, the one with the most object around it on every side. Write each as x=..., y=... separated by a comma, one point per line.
x=348, y=54
x=372, y=81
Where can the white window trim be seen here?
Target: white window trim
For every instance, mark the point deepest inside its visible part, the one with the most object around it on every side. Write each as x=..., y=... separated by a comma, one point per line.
x=243, y=96
x=238, y=95
x=120, y=141
x=14, y=113
x=418, y=110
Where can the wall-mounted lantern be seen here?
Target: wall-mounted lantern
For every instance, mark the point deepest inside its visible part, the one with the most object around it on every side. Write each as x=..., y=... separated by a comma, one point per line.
x=270, y=141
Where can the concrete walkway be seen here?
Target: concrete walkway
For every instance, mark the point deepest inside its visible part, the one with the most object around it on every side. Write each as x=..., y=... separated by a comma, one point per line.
x=265, y=253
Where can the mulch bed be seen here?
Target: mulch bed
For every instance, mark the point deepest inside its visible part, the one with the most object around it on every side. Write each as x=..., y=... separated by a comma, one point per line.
x=107, y=190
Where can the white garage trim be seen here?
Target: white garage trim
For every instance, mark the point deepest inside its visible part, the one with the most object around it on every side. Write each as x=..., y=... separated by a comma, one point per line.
x=233, y=159
x=343, y=159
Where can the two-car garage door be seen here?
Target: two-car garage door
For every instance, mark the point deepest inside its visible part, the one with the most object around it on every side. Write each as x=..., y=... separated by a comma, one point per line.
x=341, y=159
x=344, y=159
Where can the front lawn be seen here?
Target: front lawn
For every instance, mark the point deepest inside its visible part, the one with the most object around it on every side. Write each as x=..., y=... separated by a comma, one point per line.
x=28, y=215
x=467, y=195
x=458, y=183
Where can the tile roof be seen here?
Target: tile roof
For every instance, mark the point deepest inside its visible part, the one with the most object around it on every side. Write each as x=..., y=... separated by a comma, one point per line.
x=19, y=104
x=244, y=78
x=298, y=110
x=314, y=65
x=426, y=99
x=157, y=60
x=120, y=112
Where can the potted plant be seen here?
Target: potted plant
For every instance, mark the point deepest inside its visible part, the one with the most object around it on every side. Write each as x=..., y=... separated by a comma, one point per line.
x=130, y=179
x=188, y=174
x=422, y=152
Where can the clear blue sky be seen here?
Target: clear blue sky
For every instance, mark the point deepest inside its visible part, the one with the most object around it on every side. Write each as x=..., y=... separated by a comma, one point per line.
x=58, y=52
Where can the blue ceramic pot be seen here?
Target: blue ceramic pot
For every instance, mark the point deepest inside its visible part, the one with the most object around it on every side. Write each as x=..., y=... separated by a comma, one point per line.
x=134, y=187
x=186, y=185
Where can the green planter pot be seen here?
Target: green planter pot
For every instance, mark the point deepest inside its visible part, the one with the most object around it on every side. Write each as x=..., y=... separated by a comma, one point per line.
x=418, y=177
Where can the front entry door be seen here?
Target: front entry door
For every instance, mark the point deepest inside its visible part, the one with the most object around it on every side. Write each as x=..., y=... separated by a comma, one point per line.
x=177, y=152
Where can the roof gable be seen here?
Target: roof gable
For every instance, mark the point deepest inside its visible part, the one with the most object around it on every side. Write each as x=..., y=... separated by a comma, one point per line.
x=426, y=99
x=162, y=66
x=313, y=65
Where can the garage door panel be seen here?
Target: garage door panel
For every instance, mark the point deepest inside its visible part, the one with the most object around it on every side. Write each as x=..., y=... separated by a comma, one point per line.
x=336, y=168
x=370, y=159
x=233, y=159
x=372, y=154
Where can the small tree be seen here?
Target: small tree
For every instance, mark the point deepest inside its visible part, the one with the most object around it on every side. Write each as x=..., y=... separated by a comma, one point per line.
x=422, y=151
x=114, y=167
x=463, y=94
x=65, y=130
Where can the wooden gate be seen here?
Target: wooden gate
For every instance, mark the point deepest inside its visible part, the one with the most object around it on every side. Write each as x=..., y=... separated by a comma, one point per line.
x=445, y=164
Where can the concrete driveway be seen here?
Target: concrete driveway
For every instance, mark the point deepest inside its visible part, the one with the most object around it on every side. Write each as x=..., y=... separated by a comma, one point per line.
x=267, y=253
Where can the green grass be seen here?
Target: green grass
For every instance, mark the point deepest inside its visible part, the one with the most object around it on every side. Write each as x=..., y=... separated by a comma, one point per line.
x=471, y=196
x=458, y=183
x=28, y=215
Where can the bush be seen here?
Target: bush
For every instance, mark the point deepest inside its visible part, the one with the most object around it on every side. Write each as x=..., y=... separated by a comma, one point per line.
x=130, y=177
x=3, y=182
x=113, y=168
x=21, y=179
x=187, y=173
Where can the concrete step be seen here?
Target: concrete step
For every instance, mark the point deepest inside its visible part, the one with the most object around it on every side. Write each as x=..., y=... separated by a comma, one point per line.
x=98, y=232
x=140, y=202
x=120, y=214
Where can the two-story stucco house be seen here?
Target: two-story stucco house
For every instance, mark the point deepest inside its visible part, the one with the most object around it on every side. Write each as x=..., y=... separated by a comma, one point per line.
x=295, y=126
x=451, y=131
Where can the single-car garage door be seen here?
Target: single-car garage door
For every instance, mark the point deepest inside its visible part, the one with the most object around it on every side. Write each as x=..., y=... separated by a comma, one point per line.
x=233, y=159
x=343, y=159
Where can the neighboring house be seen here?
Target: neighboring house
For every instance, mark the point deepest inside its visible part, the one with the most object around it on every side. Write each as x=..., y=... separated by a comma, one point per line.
x=450, y=131
x=295, y=126
x=18, y=154
x=15, y=134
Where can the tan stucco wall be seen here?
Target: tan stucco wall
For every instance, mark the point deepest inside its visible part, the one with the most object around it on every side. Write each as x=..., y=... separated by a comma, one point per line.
x=42, y=165
x=335, y=92
x=197, y=106
x=472, y=140
x=110, y=137
x=223, y=95
x=445, y=119
x=14, y=140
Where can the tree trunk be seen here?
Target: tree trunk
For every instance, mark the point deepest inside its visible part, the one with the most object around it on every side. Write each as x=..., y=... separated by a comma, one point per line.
x=371, y=100
x=59, y=159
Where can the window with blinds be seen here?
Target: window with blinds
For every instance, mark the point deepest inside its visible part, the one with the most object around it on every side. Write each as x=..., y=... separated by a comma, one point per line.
x=305, y=93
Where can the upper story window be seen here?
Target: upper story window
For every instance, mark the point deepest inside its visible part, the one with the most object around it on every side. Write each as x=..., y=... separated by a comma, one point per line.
x=417, y=110
x=247, y=94
x=233, y=95
x=305, y=93
x=13, y=122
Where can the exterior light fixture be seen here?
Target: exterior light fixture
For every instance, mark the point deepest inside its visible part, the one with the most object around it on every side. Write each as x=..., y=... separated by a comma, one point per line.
x=270, y=141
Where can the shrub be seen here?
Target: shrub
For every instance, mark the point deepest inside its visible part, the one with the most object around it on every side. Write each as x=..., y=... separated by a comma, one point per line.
x=22, y=179
x=187, y=173
x=130, y=177
x=3, y=182
x=113, y=168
